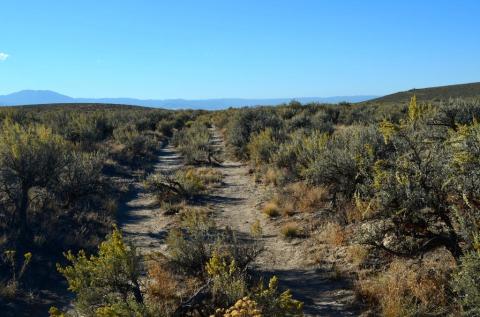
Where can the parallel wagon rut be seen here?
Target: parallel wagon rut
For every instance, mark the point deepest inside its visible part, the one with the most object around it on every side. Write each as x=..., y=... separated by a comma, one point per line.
x=236, y=205
x=140, y=217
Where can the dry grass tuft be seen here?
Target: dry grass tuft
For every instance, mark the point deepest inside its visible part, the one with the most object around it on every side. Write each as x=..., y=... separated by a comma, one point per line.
x=290, y=230
x=209, y=176
x=9, y=290
x=353, y=213
x=357, y=254
x=256, y=229
x=172, y=208
x=163, y=289
x=407, y=290
x=299, y=197
x=272, y=176
x=288, y=208
x=332, y=233
x=161, y=283
x=307, y=198
x=271, y=209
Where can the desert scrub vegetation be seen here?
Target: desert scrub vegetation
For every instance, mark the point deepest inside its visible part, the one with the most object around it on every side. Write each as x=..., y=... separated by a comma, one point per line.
x=264, y=302
x=205, y=271
x=300, y=197
x=192, y=246
x=228, y=280
x=10, y=285
x=243, y=124
x=332, y=233
x=44, y=180
x=133, y=146
x=261, y=147
x=357, y=254
x=244, y=307
x=229, y=284
x=60, y=178
x=108, y=281
x=409, y=289
x=296, y=199
x=398, y=181
x=182, y=184
x=210, y=176
x=195, y=143
x=307, y=198
x=429, y=189
x=466, y=283
x=46, y=163
x=272, y=302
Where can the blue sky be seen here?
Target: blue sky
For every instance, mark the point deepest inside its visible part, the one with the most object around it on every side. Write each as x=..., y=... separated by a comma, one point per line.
x=250, y=49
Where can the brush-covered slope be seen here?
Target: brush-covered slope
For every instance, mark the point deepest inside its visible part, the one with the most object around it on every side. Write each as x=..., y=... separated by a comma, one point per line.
x=433, y=93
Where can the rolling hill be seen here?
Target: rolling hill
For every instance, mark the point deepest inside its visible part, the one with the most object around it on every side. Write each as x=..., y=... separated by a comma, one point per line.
x=433, y=93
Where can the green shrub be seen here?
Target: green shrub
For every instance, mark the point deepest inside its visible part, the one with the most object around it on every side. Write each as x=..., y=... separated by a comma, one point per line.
x=166, y=127
x=82, y=178
x=274, y=303
x=262, y=147
x=466, y=283
x=30, y=157
x=135, y=145
x=196, y=145
x=192, y=247
x=228, y=281
x=464, y=180
x=412, y=186
x=173, y=186
x=244, y=124
x=106, y=282
x=85, y=128
x=300, y=151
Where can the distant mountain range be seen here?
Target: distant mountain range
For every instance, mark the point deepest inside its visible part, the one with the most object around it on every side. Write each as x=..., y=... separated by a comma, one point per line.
x=36, y=97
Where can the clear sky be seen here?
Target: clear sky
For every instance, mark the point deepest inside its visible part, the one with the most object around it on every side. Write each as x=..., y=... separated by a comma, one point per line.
x=244, y=48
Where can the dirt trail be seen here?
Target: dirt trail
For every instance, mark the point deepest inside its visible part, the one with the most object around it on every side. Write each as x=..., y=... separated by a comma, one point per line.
x=237, y=205
x=141, y=220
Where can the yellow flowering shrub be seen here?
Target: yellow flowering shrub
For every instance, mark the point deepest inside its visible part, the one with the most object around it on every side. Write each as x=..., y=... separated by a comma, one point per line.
x=107, y=282
x=244, y=307
x=275, y=303
x=228, y=282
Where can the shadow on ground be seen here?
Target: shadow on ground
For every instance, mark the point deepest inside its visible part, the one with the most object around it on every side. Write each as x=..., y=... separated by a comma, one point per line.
x=321, y=294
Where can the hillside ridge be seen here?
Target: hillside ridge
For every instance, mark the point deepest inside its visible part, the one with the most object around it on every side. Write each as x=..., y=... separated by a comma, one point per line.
x=467, y=90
